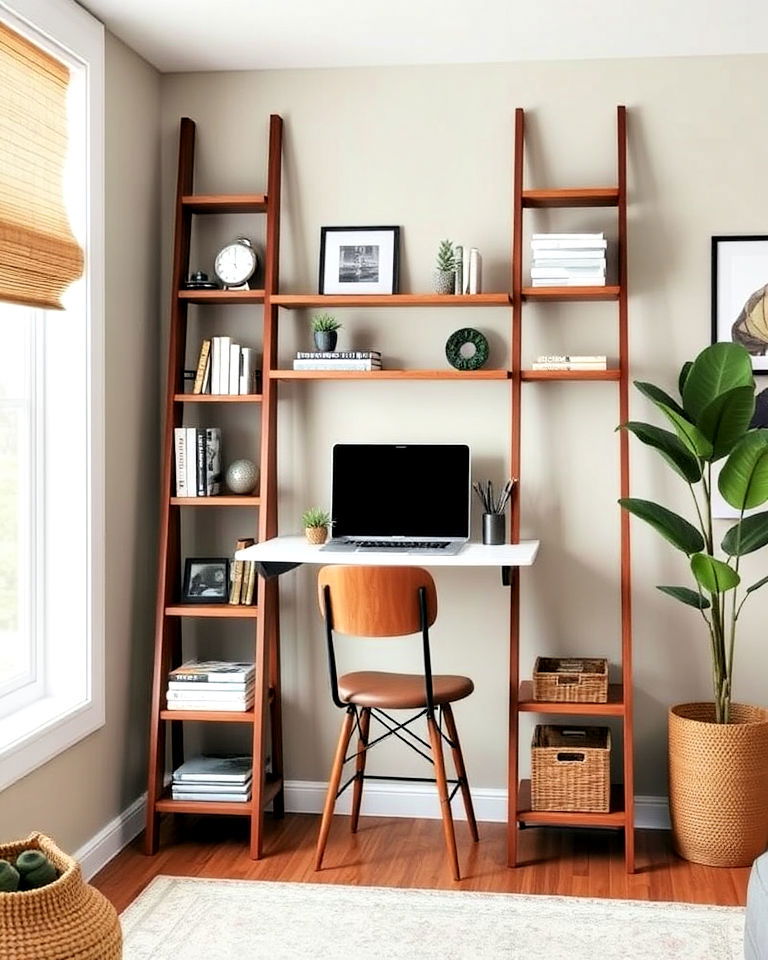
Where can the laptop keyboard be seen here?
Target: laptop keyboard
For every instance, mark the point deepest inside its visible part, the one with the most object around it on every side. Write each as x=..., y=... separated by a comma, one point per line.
x=403, y=544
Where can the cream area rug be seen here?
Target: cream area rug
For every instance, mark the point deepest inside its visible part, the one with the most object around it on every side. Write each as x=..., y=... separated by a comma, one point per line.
x=178, y=918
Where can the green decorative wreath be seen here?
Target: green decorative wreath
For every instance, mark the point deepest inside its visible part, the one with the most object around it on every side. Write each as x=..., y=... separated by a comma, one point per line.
x=461, y=338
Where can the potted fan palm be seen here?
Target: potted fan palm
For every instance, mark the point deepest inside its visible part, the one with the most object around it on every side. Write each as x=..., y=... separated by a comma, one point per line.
x=718, y=751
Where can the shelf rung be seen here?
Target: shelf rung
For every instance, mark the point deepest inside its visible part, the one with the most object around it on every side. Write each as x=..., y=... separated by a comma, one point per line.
x=529, y=375
x=217, y=398
x=572, y=197
x=209, y=716
x=299, y=300
x=613, y=708
x=568, y=294
x=216, y=501
x=166, y=805
x=389, y=374
x=221, y=296
x=614, y=818
x=233, y=611
x=225, y=203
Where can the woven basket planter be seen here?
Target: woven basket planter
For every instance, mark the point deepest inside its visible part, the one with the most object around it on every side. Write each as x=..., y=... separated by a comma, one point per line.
x=718, y=784
x=65, y=920
x=316, y=534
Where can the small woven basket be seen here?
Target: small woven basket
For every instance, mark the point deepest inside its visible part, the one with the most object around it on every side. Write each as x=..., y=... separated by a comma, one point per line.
x=571, y=679
x=571, y=769
x=316, y=534
x=65, y=920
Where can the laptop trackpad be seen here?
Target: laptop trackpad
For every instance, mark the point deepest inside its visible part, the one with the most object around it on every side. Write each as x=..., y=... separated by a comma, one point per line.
x=339, y=547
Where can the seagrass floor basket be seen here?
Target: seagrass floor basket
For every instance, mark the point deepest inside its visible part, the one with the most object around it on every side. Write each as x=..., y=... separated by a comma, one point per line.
x=65, y=920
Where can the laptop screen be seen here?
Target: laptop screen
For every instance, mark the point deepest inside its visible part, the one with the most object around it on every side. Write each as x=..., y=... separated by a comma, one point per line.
x=401, y=490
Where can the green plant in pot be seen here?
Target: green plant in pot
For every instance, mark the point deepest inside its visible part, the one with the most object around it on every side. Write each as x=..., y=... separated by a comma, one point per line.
x=325, y=329
x=445, y=268
x=718, y=751
x=316, y=523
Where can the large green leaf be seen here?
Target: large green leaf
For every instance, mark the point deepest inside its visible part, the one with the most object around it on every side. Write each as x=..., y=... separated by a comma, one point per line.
x=671, y=526
x=712, y=574
x=690, y=436
x=726, y=420
x=684, y=371
x=669, y=446
x=658, y=396
x=748, y=535
x=743, y=480
x=686, y=595
x=717, y=369
x=756, y=586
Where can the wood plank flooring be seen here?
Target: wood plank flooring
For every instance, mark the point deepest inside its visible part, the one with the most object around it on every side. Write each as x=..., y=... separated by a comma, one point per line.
x=410, y=853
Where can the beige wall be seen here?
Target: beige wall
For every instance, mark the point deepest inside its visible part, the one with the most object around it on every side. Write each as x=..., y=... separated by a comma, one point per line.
x=430, y=148
x=76, y=794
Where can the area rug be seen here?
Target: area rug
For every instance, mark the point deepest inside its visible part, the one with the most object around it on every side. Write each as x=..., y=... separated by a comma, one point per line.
x=178, y=918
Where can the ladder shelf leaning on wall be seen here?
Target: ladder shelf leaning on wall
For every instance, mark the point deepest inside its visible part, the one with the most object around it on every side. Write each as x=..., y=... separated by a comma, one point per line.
x=170, y=613
x=619, y=705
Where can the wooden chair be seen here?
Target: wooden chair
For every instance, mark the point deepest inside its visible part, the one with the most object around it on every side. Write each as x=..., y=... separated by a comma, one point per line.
x=390, y=602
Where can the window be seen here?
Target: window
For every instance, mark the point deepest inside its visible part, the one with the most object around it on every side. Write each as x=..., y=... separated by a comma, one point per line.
x=51, y=443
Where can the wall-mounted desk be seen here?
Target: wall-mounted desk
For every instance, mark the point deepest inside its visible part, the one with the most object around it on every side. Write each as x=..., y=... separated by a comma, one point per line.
x=281, y=554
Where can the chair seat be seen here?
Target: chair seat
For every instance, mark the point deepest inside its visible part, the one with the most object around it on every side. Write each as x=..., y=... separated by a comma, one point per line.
x=400, y=691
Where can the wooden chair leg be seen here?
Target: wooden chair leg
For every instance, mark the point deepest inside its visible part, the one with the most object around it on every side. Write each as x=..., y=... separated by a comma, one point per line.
x=461, y=771
x=442, y=789
x=362, y=753
x=333, y=785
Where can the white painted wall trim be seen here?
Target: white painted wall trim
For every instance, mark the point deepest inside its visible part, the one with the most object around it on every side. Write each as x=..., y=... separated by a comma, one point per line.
x=381, y=799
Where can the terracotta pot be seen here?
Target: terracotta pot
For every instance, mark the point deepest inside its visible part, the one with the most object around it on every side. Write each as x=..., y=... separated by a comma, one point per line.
x=718, y=784
x=316, y=534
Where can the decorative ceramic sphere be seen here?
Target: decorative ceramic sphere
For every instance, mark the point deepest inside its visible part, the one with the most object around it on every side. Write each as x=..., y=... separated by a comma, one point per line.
x=242, y=476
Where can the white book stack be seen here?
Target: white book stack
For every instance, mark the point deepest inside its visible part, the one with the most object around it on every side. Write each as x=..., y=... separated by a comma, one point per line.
x=563, y=361
x=221, y=779
x=469, y=270
x=568, y=260
x=212, y=685
x=226, y=368
x=338, y=360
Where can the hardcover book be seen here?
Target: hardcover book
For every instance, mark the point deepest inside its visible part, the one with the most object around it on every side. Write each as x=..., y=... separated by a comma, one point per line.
x=220, y=671
x=212, y=768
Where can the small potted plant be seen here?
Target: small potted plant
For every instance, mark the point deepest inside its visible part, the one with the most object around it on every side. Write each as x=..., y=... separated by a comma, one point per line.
x=324, y=328
x=445, y=272
x=316, y=523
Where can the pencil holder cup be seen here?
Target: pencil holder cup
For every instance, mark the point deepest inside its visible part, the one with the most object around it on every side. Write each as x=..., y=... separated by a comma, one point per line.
x=494, y=528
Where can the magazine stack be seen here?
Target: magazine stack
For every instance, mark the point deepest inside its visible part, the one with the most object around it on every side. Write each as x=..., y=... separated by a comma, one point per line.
x=220, y=779
x=211, y=685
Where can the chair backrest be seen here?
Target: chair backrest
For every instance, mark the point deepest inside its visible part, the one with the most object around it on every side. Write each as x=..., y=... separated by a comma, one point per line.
x=376, y=601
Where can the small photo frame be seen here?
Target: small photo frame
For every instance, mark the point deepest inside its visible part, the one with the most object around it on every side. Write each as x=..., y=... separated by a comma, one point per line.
x=206, y=580
x=359, y=260
x=740, y=295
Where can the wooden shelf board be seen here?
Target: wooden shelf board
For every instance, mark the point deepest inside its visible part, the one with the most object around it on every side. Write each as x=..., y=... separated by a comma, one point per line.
x=613, y=708
x=167, y=805
x=209, y=716
x=298, y=300
x=389, y=374
x=227, y=610
x=216, y=398
x=225, y=203
x=570, y=375
x=572, y=197
x=223, y=500
x=221, y=296
x=614, y=818
x=567, y=294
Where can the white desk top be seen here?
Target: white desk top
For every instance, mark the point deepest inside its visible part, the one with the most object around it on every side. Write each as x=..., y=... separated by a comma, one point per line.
x=295, y=549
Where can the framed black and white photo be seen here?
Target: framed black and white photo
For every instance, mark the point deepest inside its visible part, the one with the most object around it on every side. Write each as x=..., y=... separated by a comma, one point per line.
x=206, y=580
x=740, y=295
x=359, y=260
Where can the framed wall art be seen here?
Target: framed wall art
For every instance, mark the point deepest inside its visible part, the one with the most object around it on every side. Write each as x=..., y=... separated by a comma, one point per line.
x=740, y=295
x=359, y=260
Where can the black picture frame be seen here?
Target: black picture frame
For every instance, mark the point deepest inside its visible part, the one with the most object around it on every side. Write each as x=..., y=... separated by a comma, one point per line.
x=740, y=294
x=206, y=580
x=359, y=260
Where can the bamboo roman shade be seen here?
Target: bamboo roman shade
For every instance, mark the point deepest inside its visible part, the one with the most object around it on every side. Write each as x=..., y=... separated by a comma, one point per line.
x=39, y=257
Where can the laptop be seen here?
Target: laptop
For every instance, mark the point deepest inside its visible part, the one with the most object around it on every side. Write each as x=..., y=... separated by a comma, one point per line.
x=400, y=497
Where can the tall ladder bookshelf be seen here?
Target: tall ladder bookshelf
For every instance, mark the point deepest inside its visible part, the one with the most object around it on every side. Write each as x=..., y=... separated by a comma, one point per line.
x=521, y=700
x=170, y=613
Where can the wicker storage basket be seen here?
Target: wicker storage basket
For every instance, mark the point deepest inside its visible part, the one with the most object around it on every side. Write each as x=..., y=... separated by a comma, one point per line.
x=316, y=534
x=65, y=920
x=571, y=679
x=718, y=783
x=571, y=769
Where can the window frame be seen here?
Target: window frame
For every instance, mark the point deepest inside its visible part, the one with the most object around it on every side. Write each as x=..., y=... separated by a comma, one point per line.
x=38, y=731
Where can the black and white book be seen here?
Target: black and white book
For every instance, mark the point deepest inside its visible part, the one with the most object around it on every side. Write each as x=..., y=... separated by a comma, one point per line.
x=215, y=768
x=191, y=461
x=212, y=461
x=180, y=450
x=338, y=355
x=212, y=706
x=249, y=361
x=177, y=794
x=201, y=692
x=200, y=689
x=216, y=671
x=201, y=789
x=337, y=364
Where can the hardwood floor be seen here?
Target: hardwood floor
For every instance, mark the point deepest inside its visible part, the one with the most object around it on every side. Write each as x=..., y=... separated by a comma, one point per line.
x=410, y=853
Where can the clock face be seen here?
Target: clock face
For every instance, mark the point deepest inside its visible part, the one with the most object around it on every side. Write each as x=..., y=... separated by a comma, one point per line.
x=235, y=263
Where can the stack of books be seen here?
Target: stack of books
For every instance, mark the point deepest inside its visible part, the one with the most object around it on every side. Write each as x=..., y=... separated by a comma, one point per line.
x=225, y=368
x=568, y=260
x=338, y=360
x=574, y=361
x=198, y=461
x=469, y=270
x=212, y=685
x=242, y=589
x=223, y=779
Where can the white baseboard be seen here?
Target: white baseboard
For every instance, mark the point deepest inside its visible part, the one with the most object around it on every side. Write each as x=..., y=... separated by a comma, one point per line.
x=381, y=798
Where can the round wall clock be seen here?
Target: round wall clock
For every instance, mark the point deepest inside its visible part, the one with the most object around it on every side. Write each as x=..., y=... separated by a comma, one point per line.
x=236, y=263
x=466, y=349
